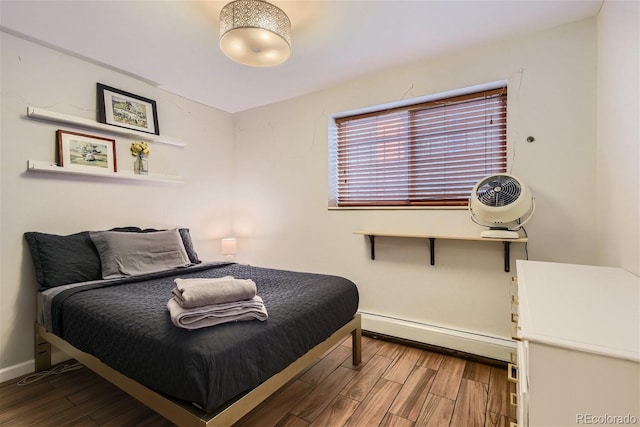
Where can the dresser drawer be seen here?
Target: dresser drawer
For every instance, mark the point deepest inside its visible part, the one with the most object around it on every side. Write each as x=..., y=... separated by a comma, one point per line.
x=523, y=384
x=515, y=310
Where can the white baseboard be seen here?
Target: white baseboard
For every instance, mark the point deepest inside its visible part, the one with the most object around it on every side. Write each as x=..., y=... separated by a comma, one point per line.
x=28, y=367
x=469, y=342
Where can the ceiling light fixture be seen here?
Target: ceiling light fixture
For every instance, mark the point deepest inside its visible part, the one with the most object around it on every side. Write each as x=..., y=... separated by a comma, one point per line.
x=255, y=33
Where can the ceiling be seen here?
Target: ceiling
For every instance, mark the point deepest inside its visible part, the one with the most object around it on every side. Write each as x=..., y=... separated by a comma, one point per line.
x=174, y=44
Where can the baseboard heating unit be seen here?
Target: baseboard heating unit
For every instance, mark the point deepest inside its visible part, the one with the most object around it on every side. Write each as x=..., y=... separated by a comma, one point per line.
x=488, y=346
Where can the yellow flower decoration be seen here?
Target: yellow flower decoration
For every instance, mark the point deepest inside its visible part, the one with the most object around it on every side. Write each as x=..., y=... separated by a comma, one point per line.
x=140, y=149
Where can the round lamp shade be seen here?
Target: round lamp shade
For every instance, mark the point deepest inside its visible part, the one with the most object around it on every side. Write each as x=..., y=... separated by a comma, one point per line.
x=255, y=33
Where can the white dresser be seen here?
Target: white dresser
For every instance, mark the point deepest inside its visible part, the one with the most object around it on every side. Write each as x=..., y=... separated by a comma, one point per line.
x=578, y=333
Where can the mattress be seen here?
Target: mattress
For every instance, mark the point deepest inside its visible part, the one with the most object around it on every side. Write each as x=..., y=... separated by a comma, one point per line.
x=125, y=323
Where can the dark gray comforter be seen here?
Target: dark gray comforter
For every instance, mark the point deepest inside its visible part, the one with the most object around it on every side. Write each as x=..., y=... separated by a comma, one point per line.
x=126, y=324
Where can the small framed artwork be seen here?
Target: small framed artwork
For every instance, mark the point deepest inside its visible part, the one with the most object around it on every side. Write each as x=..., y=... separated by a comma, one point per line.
x=91, y=153
x=119, y=108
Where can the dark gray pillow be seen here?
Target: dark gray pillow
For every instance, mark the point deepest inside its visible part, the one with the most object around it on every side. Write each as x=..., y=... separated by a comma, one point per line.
x=127, y=229
x=60, y=260
x=188, y=245
x=128, y=254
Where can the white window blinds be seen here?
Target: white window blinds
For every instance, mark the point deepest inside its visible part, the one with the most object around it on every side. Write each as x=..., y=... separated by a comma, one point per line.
x=425, y=154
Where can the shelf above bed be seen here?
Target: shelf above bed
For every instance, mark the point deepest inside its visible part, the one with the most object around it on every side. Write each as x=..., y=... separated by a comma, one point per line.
x=52, y=116
x=432, y=243
x=39, y=166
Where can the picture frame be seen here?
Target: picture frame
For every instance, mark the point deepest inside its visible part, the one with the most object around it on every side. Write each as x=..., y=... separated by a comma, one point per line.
x=90, y=153
x=123, y=109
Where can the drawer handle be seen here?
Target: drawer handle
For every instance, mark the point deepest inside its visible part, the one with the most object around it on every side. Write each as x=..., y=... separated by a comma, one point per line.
x=515, y=333
x=513, y=399
x=512, y=372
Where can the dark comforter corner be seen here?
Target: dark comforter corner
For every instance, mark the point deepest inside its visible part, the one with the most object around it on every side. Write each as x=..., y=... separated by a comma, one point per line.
x=126, y=324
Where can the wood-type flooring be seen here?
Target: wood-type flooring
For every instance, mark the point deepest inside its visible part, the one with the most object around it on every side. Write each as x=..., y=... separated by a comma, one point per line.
x=395, y=386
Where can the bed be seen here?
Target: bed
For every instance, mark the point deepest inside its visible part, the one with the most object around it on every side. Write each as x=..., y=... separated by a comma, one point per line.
x=116, y=322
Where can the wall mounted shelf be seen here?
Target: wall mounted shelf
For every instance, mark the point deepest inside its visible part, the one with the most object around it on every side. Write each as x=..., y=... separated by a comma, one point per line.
x=432, y=243
x=49, y=167
x=52, y=116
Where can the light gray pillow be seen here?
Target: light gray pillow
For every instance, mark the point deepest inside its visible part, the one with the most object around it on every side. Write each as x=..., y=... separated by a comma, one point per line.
x=128, y=254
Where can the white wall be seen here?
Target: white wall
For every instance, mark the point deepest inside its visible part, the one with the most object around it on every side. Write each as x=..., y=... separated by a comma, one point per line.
x=33, y=75
x=280, y=201
x=618, y=191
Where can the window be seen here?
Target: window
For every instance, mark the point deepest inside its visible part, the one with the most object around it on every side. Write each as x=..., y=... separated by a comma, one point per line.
x=427, y=154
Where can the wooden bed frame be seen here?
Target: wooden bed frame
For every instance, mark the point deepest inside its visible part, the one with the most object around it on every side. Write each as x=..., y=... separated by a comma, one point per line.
x=184, y=414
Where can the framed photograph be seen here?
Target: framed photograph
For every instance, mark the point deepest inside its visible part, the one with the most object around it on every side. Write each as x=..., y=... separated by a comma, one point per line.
x=91, y=153
x=119, y=108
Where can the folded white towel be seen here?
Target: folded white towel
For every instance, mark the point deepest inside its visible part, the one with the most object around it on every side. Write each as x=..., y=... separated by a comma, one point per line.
x=191, y=293
x=216, y=314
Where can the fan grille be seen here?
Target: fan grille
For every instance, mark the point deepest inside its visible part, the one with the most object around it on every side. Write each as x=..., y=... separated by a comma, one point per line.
x=498, y=190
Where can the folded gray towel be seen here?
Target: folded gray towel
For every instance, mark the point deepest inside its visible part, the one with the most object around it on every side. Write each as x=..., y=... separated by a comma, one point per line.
x=216, y=314
x=191, y=293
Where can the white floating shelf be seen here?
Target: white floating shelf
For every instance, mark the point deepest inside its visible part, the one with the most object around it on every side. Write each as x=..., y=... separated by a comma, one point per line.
x=39, y=166
x=52, y=116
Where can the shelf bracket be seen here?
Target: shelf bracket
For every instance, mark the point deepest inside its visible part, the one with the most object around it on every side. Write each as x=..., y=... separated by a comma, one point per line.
x=372, y=240
x=432, y=249
x=507, y=256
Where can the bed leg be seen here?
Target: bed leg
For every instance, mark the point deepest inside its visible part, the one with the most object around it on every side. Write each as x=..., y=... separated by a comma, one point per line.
x=41, y=352
x=356, y=346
